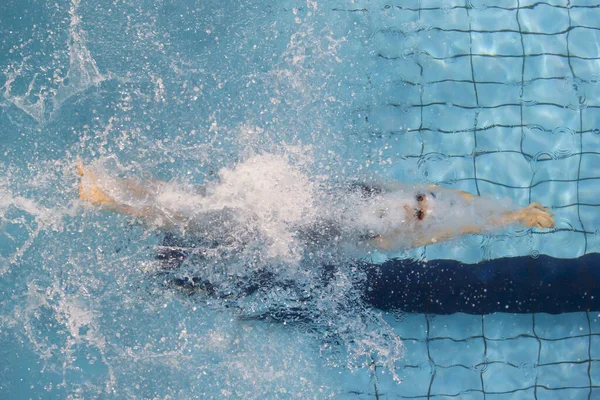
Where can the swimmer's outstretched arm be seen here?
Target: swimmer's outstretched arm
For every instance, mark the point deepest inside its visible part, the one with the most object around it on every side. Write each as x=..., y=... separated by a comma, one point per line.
x=533, y=216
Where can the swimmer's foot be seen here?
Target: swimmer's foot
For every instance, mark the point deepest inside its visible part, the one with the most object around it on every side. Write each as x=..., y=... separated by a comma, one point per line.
x=89, y=188
x=535, y=216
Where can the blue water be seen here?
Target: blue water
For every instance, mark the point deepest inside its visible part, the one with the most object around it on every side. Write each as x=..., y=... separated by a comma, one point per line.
x=498, y=100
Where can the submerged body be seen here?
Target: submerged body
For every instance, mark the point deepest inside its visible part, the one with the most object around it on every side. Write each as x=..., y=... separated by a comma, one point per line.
x=286, y=211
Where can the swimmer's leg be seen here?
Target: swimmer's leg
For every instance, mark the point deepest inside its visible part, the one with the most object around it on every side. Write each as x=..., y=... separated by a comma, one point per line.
x=91, y=191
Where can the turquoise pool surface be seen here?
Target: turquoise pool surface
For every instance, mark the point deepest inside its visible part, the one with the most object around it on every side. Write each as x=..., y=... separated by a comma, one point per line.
x=499, y=98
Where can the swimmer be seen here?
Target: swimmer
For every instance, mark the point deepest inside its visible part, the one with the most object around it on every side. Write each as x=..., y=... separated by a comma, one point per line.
x=387, y=217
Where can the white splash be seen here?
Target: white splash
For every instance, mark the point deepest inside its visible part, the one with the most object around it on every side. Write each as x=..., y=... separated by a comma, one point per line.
x=265, y=195
x=82, y=74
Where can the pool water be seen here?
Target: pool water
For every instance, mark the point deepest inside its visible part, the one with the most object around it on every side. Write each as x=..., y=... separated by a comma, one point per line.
x=498, y=99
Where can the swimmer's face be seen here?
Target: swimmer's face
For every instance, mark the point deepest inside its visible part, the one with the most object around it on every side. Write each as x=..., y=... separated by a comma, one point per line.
x=414, y=210
x=402, y=209
x=394, y=211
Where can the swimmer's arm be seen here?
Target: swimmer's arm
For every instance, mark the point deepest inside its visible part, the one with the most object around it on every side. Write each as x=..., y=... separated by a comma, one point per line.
x=389, y=242
x=467, y=197
x=532, y=216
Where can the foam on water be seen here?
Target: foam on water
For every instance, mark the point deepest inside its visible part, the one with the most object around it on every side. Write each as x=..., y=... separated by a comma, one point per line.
x=267, y=200
x=250, y=227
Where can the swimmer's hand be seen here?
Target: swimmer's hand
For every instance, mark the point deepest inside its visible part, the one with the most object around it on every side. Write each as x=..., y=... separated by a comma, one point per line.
x=535, y=216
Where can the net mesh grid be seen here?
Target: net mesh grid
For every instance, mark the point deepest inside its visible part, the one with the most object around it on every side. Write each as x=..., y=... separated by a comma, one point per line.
x=510, y=101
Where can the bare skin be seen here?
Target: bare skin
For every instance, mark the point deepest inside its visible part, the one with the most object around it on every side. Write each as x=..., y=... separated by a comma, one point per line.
x=91, y=192
x=533, y=216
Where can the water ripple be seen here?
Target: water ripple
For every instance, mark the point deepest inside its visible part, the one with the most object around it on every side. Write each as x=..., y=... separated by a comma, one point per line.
x=565, y=241
x=575, y=84
x=405, y=106
x=528, y=370
x=482, y=366
x=560, y=154
x=438, y=159
x=535, y=128
x=563, y=129
x=534, y=254
x=399, y=316
x=480, y=7
x=581, y=105
x=529, y=103
x=542, y=156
